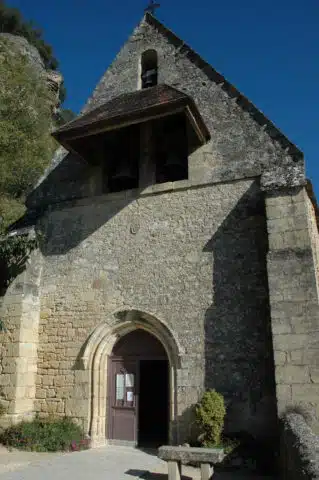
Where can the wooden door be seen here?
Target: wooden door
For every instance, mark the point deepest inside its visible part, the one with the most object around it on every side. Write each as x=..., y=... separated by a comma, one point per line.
x=123, y=402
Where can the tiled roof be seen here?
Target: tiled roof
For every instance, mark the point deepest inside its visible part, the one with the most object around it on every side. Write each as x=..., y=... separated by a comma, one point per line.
x=131, y=105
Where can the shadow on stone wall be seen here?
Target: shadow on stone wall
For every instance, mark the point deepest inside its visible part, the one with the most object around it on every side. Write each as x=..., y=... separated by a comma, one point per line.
x=65, y=232
x=71, y=182
x=299, y=449
x=68, y=231
x=67, y=179
x=238, y=342
x=187, y=428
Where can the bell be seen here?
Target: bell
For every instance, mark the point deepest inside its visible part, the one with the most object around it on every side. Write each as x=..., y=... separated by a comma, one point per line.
x=175, y=167
x=149, y=78
x=173, y=160
x=123, y=179
x=122, y=172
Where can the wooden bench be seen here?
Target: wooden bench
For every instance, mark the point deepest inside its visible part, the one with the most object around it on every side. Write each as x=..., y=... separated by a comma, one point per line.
x=176, y=456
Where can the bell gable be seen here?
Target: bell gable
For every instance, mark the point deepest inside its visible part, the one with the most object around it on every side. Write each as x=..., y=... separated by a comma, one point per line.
x=243, y=142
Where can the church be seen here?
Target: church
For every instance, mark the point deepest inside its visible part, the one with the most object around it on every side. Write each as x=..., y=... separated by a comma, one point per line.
x=177, y=252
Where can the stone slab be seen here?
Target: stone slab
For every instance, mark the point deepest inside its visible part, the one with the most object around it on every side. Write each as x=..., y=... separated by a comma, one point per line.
x=191, y=455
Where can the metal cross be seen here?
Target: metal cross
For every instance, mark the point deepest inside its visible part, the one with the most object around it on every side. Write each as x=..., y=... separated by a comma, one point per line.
x=152, y=7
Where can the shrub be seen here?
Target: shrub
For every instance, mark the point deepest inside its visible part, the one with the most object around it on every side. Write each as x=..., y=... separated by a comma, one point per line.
x=49, y=435
x=210, y=414
x=26, y=145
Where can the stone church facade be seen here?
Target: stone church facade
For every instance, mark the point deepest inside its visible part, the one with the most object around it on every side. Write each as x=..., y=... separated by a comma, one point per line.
x=176, y=225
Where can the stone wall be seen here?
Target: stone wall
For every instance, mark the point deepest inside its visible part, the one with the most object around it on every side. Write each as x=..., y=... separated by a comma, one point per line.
x=195, y=259
x=314, y=235
x=192, y=253
x=293, y=298
x=299, y=449
x=19, y=342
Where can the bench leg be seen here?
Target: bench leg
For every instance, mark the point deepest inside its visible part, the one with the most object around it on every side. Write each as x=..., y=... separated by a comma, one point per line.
x=206, y=471
x=174, y=470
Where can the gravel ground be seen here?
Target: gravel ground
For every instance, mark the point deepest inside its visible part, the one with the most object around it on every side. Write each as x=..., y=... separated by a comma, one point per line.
x=105, y=463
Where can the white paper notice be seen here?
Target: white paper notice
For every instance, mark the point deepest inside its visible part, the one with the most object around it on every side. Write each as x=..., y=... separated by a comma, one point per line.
x=129, y=396
x=119, y=387
x=129, y=380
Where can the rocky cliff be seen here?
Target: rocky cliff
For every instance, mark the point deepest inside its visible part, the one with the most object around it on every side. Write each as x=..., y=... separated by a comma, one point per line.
x=54, y=79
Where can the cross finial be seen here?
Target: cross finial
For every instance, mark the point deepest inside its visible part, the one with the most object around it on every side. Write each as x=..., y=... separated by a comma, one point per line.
x=152, y=7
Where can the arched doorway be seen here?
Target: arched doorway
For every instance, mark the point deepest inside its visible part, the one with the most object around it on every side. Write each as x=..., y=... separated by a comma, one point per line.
x=96, y=361
x=138, y=386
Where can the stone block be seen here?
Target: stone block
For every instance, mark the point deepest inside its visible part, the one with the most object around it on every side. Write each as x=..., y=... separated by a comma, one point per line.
x=64, y=392
x=30, y=391
x=53, y=364
x=299, y=196
x=59, y=380
x=289, y=209
x=290, y=374
x=296, y=239
x=304, y=324
x=69, y=379
x=81, y=376
x=174, y=470
x=52, y=407
x=25, y=379
x=81, y=391
x=76, y=407
x=281, y=325
x=47, y=380
x=284, y=393
x=314, y=375
x=28, y=335
x=289, y=342
x=65, y=365
x=305, y=357
x=72, y=352
x=51, y=393
x=5, y=379
x=22, y=364
x=41, y=393
x=38, y=405
x=206, y=471
x=276, y=241
x=12, y=349
x=45, y=314
x=305, y=393
x=280, y=358
x=23, y=405
x=8, y=392
x=9, y=366
x=60, y=407
x=277, y=201
x=191, y=455
x=287, y=224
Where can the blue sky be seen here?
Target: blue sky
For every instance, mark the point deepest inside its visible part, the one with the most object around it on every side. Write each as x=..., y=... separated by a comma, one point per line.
x=268, y=50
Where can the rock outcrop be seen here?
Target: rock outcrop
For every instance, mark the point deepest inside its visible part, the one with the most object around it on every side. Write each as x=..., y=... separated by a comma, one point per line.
x=53, y=78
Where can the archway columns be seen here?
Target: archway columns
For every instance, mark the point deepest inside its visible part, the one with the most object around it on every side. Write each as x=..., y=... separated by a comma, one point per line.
x=95, y=361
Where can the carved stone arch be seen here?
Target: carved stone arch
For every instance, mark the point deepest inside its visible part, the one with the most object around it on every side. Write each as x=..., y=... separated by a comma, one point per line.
x=100, y=346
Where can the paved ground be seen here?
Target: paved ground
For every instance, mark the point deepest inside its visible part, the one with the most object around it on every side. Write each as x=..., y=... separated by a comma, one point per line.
x=105, y=463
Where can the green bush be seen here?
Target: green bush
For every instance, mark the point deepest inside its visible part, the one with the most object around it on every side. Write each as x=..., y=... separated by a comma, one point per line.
x=26, y=145
x=49, y=435
x=210, y=415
